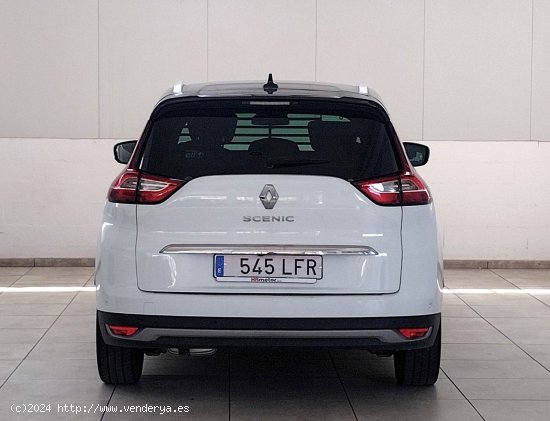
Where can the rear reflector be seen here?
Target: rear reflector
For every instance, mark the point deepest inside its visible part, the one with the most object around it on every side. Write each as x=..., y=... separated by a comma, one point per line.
x=131, y=186
x=122, y=330
x=405, y=190
x=414, y=333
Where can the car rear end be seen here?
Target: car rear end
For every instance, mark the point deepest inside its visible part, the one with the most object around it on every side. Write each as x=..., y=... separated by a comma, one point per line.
x=285, y=218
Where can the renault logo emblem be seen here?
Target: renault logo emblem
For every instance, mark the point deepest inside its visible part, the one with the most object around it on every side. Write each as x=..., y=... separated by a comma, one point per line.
x=269, y=196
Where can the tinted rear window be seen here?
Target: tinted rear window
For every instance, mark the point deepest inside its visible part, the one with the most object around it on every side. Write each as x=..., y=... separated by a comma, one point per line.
x=194, y=139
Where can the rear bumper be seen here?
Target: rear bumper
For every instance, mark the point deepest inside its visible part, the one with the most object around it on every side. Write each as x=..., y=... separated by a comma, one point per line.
x=372, y=333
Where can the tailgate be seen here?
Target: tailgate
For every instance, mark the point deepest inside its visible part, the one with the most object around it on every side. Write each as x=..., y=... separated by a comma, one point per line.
x=351, y=245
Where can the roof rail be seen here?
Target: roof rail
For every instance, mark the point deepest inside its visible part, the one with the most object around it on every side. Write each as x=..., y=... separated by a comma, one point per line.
x=363, y=89
x=178, y=87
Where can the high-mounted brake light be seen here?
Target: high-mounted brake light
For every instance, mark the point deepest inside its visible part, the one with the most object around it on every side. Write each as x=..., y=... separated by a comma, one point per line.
x=404, y=190
x=122, y=330
x=134, y=187
x=414, y=333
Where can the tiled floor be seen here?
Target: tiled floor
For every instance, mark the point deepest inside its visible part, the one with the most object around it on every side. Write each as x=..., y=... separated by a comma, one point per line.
x=495, y=362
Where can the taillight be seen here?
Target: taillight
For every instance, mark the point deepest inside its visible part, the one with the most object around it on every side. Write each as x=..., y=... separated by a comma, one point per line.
x=405, y=190
x=124, y=188
x=414, y=333
x=155, y=189
x=122, y=330
x=134, y=187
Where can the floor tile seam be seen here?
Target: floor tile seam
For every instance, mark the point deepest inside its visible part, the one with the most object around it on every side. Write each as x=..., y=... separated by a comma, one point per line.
x=417, y=398
x=10, y=285
x=10, y=359
x=20, y=328
x=58, y=359
x=485, y=360
x=503, y=378
x=28, y=315
x=36, y=343
x=494, y=305
x=539, y=300
x=515, y=400
x=44, y=284
x=49, y=285
x=18, y=278
x=462, y=317
x=516, y=344
x=513, y=317
x=503, y=278
x=57, y=275
x=84, y=313
x=108, y=402
x=342, y=385
x=462, y=393
x=503, y=305
x=4, y=359
x=483, y=285
x=461, y=294
x=465, y=303
x=511, y=399
x=510, y=282
x=479, y=316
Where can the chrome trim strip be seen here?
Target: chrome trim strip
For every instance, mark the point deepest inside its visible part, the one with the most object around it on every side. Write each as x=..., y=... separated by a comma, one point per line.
x=267, y=249
x=384, y=335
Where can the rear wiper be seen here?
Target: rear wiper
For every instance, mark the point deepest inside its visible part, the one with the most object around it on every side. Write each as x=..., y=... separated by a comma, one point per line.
x=293, y=162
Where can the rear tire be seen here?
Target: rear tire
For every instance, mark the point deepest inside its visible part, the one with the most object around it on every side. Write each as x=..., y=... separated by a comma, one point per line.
x=116, y=364
x=418, y=367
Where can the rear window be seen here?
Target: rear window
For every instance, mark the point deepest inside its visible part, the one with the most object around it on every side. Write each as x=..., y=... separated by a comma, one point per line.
x=193, y=139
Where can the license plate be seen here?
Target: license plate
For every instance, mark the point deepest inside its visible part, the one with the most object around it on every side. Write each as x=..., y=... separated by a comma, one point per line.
x=268, y=268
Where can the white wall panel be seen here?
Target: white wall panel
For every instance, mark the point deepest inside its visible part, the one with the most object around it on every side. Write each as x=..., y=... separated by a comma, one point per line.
x=144, y=47
x=491, y=200
x=538, y=240
x=541, y=70
x=53, y=202
x=379, y=43
x=249, y=39
x=48, y=68
x=477, y=70
x=489, y=242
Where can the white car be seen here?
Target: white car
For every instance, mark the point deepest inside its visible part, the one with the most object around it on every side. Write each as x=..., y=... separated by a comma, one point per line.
x=269, y=215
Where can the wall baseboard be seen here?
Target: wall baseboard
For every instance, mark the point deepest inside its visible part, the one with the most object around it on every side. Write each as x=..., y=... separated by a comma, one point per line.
x=49, y=262
x=449, y=264
x=496, y=264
